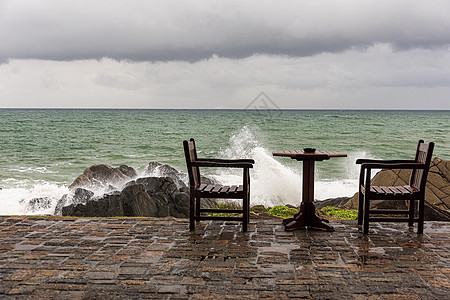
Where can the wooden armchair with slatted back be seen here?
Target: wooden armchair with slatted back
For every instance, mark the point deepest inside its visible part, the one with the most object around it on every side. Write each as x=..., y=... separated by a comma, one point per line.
x=199, y=190
x=414, y=191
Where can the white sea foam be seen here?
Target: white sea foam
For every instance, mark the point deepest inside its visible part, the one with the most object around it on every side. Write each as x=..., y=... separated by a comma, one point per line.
x=16, y=200
x=42, y=170
x=344, y=187
x=273, y=183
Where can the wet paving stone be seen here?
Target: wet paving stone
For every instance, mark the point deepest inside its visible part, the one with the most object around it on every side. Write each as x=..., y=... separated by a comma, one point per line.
x=69, y=258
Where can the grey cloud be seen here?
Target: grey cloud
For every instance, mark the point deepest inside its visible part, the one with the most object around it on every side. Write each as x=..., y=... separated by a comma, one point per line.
x=378, y=78
x=194, y=30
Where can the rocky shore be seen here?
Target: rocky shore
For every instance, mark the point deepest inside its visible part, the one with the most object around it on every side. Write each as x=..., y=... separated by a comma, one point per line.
x=126, y=195
x=162, y=192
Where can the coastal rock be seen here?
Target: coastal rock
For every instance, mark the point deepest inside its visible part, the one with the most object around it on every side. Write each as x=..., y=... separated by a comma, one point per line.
x=336, y=202
x=437, y=193
x=163, y=193
x=39, y=204
x=108, y=206
x=78, y=196
x=155, y=185
x=137, y=203
x=143, y=197
x=100, y=176
x=156, y=169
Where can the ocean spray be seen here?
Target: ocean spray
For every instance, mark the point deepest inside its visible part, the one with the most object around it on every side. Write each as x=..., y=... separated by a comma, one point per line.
x=274, y=181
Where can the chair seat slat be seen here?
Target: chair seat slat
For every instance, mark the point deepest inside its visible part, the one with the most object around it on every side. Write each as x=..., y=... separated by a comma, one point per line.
x=410, y=189
x=209, y=188
x=233, y=189
x=376, y=189
x=216, y=189
x=403, y=190
x=386, y=190
x=394, y=190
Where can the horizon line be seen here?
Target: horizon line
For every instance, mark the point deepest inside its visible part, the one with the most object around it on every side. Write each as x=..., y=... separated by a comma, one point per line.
x=231, y=109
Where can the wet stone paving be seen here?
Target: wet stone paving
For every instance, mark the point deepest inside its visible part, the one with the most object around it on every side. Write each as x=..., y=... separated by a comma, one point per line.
x=119, y=258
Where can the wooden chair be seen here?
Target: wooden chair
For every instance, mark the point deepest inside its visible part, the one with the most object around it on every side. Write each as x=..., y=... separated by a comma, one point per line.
x=413, y=192
x=200, y=190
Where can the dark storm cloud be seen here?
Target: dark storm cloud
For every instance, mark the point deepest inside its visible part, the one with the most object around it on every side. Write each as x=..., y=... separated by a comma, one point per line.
x=194, y=30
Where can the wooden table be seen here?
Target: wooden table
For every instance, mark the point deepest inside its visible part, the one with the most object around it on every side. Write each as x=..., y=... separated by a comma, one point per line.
x=307, y=217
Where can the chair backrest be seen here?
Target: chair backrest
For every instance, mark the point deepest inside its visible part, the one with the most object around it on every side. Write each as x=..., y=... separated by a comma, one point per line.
x=191, y=156
x=424, y=152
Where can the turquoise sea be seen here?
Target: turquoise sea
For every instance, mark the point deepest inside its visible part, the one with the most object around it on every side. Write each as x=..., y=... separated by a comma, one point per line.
x=43, y=151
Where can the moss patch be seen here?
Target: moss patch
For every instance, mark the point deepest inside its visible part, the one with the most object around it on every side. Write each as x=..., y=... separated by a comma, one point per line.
x=282, y=211
x=340, y=213
x=226, y=205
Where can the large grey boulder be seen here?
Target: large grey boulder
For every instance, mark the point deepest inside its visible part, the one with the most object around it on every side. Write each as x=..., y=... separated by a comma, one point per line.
x=156, y=169
x=77, y=196
x=137, y=203
x=99, y=176
x=108, y=206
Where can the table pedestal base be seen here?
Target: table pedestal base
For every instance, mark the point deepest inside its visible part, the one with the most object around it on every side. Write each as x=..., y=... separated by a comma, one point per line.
x=306, y=218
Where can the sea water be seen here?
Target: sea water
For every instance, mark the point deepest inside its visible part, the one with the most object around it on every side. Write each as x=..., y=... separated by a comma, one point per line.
x=43, y=151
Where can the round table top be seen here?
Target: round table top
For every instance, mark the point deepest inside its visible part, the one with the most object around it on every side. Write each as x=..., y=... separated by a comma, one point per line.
x=302, y=155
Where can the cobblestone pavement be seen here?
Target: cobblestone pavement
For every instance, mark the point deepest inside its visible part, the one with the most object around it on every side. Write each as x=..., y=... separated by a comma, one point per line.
x=66, y=258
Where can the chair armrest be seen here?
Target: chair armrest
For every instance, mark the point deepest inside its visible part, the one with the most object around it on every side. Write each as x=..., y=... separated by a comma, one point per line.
x=221, y=164
x=397, y=161
x=251, y=161
x=392, y=166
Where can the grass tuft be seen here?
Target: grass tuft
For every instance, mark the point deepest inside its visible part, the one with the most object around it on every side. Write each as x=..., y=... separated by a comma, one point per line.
x=282, y=211
x=226, y=205
x=340, y=213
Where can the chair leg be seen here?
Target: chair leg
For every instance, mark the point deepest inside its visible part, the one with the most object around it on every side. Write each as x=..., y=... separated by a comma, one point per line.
x=248, y=207
x=421, y=216
x=411, y=212
x=191, y=213
x=248, y=210
x=245, y=213
x=197, y=207
x=366, y=215
x=360, y=207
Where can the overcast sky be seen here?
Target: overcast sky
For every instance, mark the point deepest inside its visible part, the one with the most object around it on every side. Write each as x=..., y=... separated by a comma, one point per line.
x=303, y=54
